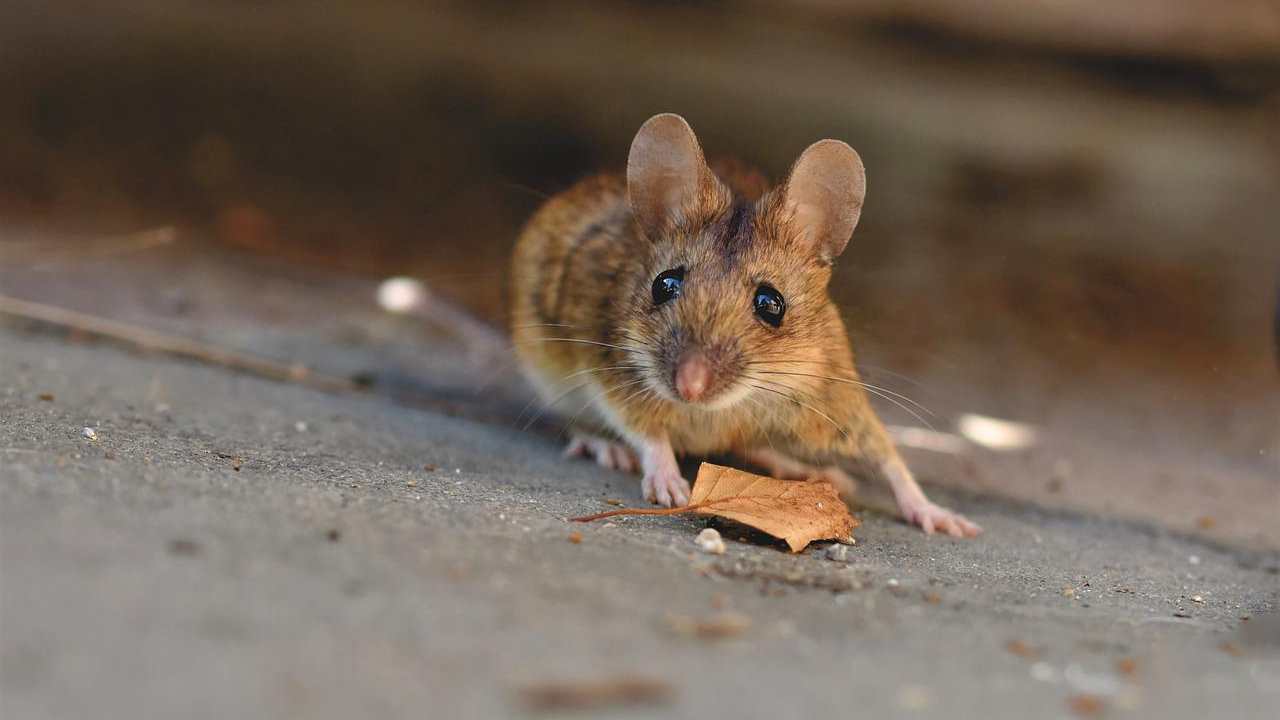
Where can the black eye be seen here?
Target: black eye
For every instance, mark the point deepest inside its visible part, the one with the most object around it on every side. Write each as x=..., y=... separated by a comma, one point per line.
x=770, y=307
x=667, y=285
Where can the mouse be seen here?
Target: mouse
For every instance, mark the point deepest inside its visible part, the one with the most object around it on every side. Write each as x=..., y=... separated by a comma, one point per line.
x=683, y=309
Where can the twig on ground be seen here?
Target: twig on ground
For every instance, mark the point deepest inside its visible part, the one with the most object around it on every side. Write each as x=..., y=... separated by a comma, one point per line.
x=561, y=696
x=45, y=254
x=153, y=341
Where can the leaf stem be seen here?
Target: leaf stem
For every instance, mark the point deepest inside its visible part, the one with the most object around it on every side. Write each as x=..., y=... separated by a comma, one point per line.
x=645, y=511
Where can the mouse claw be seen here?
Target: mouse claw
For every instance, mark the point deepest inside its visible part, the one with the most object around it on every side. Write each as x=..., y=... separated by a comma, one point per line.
x=606, y=453
x=932, y=518
x=667, y=489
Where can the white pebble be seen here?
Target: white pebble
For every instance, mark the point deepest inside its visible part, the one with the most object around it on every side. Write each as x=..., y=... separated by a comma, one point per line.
x=1194, y=559
x=1197, y=599
x=90, y=433
x=838, y=552
x=401, y=294
x=301, y=427
x=893, y=582
x=709, y=541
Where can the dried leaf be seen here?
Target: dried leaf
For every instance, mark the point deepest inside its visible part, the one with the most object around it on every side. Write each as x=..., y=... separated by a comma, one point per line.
x=795, y=511
x=798, y=512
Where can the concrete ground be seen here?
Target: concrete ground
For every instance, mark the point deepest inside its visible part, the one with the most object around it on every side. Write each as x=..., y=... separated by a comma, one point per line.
x=228, y=546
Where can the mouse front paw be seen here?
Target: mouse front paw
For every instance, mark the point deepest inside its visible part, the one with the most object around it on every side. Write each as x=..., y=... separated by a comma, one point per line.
x=606, y=453
x=666, y=488
x=931, y=517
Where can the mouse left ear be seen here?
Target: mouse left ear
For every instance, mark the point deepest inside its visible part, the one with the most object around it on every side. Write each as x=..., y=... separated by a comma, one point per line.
x=823, y=196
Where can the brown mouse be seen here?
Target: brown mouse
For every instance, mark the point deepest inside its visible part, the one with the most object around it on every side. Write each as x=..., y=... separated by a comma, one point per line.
x=678, y=310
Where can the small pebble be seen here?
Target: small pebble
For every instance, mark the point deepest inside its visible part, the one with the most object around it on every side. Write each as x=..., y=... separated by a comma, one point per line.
x=1044, y=672
x=710, y=542
x=300, y=426
x=401, y=294
x=1194, y=559
x=837, y=552
x=1197, y=599
x=893, y=582
x=575, y=537
x=89, y=433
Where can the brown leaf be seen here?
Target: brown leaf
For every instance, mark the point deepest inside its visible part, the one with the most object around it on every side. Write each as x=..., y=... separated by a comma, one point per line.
x=798, y=512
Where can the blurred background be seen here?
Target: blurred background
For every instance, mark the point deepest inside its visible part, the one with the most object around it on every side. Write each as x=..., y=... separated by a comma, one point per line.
x=1073, y=214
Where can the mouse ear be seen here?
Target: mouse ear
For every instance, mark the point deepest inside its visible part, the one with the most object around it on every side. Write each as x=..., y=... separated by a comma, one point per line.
x=823, y=196
x=666, y=174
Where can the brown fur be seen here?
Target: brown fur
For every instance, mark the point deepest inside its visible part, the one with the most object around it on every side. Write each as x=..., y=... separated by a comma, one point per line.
x=583, y=316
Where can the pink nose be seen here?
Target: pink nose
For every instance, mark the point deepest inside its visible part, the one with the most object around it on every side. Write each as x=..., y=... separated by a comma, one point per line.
x=693, y=375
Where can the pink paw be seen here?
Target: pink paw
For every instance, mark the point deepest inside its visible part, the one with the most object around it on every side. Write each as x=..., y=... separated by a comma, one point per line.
x=606, y=453
x=930, y=517
x=666, y=488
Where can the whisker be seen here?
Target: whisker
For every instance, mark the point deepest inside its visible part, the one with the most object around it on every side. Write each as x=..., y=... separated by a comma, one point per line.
x=586, y=342
x=875, y=391
x=599, y=395
x=643, y=389
x=602, y=368
x=860, y=365
x=851, y=381
x=906, y=409
x=807, y=406
x=759, y=424
x=534, y=325
x=547, y=406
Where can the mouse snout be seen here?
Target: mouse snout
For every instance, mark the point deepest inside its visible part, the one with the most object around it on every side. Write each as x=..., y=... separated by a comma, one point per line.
x=693, y=375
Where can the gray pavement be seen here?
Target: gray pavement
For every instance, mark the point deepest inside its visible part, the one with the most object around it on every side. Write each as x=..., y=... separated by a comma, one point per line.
x=234, y=547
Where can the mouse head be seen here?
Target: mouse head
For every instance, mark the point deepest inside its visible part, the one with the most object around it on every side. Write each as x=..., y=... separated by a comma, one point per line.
x=733, y=286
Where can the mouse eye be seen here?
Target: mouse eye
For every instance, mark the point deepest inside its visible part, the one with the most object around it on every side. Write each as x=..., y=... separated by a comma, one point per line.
x=770, y=307
x=667, y=285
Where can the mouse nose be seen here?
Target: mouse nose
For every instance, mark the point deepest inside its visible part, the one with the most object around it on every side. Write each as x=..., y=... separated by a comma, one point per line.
x=693, y=376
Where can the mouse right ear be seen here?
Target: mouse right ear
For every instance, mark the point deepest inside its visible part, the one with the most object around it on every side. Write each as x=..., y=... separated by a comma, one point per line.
x=667, y=176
